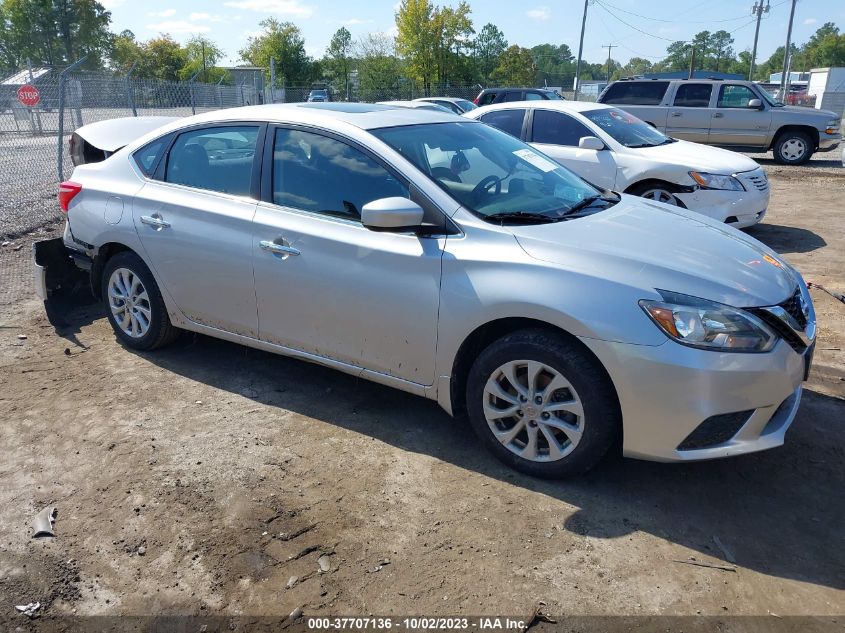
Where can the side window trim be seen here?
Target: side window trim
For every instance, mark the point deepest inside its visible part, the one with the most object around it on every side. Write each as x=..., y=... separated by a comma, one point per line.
x=257, y=160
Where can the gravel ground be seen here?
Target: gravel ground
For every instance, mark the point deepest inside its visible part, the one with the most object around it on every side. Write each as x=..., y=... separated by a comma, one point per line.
x=236, y=470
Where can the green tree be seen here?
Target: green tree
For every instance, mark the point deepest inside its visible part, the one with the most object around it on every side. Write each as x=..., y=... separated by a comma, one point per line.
x=201, y=56
x=635, y=67
x=125, y=52
x=282, y=42
x=487, y=48
x=379, y=69
x=339, y=58
x=416, y=40
x=721, y=48
x=677, y=57
x=554, y=64
x=163, y=59
x=826, y=47
x=452, y=31
x=516, y=67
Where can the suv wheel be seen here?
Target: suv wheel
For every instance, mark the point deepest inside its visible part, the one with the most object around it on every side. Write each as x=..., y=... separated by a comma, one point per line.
x=134, y=305
x=793, y=148
x=542, y=405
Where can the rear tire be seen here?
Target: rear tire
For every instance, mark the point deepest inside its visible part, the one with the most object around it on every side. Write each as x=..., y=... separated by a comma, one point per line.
x=793, y=148
x=134, y=305
x=542, y=405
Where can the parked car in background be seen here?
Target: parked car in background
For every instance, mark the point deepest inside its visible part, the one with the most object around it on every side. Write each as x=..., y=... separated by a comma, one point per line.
x=416, y=105
x=318, y=95
x=614, y=150
x=737, y=115
x=497, y=95
x=443, y=257
x=458, y=106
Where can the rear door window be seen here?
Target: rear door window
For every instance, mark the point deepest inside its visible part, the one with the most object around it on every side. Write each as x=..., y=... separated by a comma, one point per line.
x=555, y=128
x=693, y=95
x=147, y=157
x=513, y=95
x=509, y=121
x=487, y=99
x=636, y=92
x=217, y=159
x=534, y=96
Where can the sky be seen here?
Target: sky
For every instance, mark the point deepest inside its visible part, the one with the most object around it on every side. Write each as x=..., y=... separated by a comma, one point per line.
x=638, y=28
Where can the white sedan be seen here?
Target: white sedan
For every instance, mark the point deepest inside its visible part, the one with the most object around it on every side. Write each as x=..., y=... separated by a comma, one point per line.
x=617, y=151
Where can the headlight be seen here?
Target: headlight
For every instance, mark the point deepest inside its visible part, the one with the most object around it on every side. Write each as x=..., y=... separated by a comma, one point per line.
x=708, y=325
x=716, y=181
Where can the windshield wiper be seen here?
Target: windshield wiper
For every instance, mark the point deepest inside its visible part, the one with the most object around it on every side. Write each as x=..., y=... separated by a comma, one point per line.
x=523, y=217
x=592, y=200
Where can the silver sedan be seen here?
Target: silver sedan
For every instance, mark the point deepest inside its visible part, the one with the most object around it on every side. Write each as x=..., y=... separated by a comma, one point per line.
x=445, y=258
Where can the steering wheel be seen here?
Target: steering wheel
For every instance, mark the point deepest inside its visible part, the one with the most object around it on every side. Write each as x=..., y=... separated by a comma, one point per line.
x=485, y=185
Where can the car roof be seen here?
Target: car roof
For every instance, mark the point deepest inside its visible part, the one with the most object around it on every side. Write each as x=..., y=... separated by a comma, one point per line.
x=697, y=80
x=365, y=116
x=449, y=99
x=552, y=104
x=516, y=89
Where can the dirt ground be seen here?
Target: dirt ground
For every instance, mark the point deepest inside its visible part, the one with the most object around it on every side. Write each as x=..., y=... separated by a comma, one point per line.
x=202, y=478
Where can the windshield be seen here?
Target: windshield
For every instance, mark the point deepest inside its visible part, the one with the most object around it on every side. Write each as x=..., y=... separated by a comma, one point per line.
x=491, y=173
x=771, y=100
x=625, y=128
x=319, y=93
x=465, y=105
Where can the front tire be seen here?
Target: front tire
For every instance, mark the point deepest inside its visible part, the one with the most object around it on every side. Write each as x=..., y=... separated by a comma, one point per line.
x=657, y=193
x=542, y=405
x=134, y=305
x=793, y=148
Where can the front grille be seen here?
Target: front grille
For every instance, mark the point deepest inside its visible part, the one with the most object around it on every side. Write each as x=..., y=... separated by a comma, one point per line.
x=756, y=179
x=715, y=430
x=793, y=307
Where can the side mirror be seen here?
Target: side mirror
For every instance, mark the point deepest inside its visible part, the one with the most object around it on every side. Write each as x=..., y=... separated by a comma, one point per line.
x=755, y=104
x=591, y=142
x=391, y=214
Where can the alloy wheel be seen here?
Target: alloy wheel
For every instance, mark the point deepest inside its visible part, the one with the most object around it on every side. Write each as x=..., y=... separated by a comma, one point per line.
x=533, y=410
x=660, y=195
x=129, y=303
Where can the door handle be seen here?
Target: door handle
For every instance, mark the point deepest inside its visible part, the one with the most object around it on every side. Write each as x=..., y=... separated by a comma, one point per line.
x=676, y=114
x=718, y=115
x=278, y=249
x=155, y=221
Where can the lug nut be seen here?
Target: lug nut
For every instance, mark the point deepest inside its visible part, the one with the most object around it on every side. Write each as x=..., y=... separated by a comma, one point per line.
x=538, y=400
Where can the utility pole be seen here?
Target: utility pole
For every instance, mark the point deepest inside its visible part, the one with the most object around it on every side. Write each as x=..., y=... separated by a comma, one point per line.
x=691, y=63
x=784, y=78
x=580, y=51
x=608, y=47
x=757, y=10
x=204, y=73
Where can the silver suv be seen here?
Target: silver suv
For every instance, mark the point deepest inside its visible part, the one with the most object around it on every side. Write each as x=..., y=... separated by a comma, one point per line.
x=737, y=115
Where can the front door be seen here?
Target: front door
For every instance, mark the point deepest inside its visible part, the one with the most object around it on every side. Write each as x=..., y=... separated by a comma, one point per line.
x=557, y=135
x=328, y=286
x=195, y=223
x=690, y=114
x=734, y=123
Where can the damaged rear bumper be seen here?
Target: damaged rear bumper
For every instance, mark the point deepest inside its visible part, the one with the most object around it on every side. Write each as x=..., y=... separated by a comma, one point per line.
x=56, y=267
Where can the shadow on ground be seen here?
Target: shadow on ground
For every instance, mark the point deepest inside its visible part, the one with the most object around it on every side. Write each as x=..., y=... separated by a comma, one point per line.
x=786, y=239
x=779, y=512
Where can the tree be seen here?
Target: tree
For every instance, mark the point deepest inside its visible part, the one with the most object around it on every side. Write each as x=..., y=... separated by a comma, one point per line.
x=554, y=64
x=415, y=40
x=378, y=67
x=516, y=67
x=125, y=52
x=201, y=56
x=163, y=59
x=636, y=66
x=452, y=31
x=721, y=43
x=826, y=47
x=339, y=56
x=487, y=48
x=282, y=42
x=677, y=57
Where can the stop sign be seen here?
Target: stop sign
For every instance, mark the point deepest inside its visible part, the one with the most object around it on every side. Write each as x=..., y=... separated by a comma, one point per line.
x=28, y=95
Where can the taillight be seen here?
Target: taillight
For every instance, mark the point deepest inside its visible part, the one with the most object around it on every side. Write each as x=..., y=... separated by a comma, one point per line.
x=475, y=101
x=67, y=191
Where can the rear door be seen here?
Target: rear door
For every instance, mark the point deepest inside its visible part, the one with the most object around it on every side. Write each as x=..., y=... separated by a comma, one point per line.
x=734, y=123
x=691, y=112
x=510, y=121
x=194, y=220
x=557, y=134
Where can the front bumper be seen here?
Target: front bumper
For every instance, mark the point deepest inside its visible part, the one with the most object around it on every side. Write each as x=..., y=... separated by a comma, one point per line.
x=828, y=142
x=740, y=209
x=667, y=391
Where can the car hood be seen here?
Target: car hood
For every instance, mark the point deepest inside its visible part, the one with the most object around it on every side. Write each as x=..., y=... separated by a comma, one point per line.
x=698, y=157
x=805, y=111
x=651, y=246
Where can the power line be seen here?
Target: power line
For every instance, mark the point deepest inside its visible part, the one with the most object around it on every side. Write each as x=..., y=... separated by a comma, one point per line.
x=646, y=17
x=631, y=26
